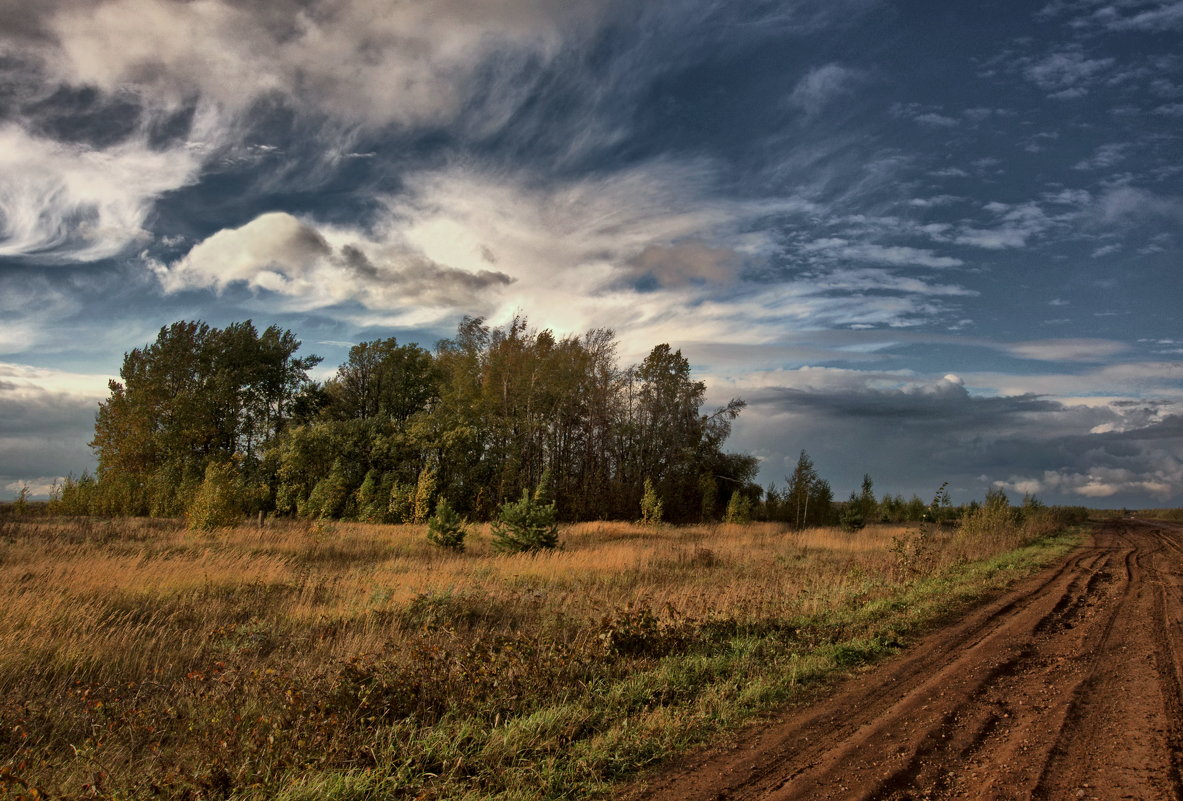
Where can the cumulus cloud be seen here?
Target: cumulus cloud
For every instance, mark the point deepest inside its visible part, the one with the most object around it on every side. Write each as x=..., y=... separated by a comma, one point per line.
x=823, y=86
x=325, y=266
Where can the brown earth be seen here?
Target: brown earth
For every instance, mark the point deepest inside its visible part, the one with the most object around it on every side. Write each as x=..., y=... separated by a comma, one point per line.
x=1066, y=688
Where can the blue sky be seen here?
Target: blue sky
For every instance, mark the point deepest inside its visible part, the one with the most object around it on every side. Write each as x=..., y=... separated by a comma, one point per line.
x=932, y=242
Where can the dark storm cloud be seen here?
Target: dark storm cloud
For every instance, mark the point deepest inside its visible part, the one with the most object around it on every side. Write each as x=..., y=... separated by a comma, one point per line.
x=945, y=405
x=928, y=430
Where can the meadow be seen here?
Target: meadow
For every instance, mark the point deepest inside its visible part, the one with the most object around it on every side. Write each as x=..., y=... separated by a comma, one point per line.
x=317, y=660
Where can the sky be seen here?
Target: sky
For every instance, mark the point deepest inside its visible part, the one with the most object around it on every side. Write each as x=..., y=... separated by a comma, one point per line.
x=926, y=241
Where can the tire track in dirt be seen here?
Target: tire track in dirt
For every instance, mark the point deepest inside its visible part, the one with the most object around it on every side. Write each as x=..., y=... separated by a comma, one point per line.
x=1067, y=687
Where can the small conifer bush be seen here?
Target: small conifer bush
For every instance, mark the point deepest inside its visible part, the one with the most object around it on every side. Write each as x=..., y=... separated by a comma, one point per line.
x=739, y=509
x=445, y=528
x=526, y=525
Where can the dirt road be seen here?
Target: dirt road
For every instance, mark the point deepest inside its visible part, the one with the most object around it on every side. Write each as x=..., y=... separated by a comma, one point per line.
x=1067, y=688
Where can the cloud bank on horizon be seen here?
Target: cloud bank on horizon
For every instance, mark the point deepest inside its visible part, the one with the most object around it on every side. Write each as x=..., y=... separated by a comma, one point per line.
x=925, y=246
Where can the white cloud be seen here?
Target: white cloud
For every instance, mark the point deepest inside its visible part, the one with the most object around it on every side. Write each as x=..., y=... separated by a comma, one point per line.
x=1105, y=156
x=824, y=85
x=1016, y=225
x=936, y=120
x=1097, y=483
x=364, y=60
x=895, y=255
x=1163, y=16
x=1127, y=203
x=1067, y=350
x=324, y=266
x=23, y=381
x=79, y=202
x=1067, y=73
x=46, y=419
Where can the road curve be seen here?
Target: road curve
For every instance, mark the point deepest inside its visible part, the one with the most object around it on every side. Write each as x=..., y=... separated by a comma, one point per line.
x=1068, y=687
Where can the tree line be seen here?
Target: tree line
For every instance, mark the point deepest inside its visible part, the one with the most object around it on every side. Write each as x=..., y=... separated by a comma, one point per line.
x=221, y=423
x=488, y=414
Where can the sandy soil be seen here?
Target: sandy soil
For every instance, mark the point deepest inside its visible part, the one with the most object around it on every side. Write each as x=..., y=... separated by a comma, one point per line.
x=1069, y=687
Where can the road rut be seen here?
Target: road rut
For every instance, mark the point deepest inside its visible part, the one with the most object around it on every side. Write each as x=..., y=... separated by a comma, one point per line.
x=1068, y=687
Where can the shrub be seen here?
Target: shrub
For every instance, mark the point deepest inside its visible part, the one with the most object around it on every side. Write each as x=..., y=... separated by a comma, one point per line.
x=371, y=499
x=401, y=507
x=21, y=505
x=739, y=509
x=525, y=526
x=329, y=497
x=424, y=490
x=651, y=506
x=215, y=504
x=446, y=528
x=851, y=518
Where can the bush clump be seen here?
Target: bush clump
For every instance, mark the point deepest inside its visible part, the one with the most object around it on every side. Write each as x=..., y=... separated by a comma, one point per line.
x=652, y=508
x=216, y=503
x=525, y=526
x=445, y=528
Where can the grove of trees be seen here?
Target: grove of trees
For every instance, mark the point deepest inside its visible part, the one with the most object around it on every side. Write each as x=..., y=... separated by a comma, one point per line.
x=490, y=414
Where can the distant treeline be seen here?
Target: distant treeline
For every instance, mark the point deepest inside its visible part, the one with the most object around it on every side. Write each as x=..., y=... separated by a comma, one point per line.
x=221, y=423
x=231, y=416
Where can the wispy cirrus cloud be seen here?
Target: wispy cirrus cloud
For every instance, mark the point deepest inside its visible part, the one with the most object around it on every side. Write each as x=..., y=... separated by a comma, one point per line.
x=76, y=202
x=1066, y=73
x=824, y=85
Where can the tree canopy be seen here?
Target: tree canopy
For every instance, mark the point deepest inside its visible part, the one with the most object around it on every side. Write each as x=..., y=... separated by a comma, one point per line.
x=491, y=413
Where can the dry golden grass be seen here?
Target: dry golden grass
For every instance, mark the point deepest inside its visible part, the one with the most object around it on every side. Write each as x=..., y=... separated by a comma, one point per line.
x=137, y=657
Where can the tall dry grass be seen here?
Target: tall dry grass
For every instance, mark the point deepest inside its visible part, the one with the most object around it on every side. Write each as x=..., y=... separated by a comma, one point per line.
x=139, y=659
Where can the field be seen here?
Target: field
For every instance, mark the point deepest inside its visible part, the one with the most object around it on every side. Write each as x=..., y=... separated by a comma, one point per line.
x=331, y=660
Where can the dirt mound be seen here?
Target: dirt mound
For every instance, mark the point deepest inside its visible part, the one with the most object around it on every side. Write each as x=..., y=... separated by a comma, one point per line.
x=1069, y=687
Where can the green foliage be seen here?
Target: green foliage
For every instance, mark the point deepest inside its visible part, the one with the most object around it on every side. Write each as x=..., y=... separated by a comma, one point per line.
x=525, y=526
x=424, y=493
x=20, y=506
x=446, y=529
x=329, y=497
x=941, y=508
x=217, y=503
x=851, y=517
x=371, y=500
x=491, y=411
x=197, y=395
x=808, y=499
x=544, y=492
x=739, y=509
x=709, y=490
x=401, y=505
x=868, y=506
x=651, y=505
